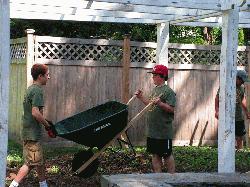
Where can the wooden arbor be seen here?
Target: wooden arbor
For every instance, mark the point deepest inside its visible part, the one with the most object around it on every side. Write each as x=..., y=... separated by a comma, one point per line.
x=229, y=14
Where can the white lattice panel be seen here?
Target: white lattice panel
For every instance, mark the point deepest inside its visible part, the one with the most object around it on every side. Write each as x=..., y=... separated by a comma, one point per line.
x=79, y=52
x=18, y=51
x=188, y=56
x=112, y=53
x=143, y=54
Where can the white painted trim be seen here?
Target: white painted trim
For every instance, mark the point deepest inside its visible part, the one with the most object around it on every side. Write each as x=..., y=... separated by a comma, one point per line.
x=162, y=43
x=199, y=4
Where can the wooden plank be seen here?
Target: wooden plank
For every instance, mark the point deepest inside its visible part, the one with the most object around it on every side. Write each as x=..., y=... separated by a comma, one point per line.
x=125, y=69
x=83, y=12
x=199, y=4
x=226, y=133
x=79, y=5
x=4, y=84
x=24, y=14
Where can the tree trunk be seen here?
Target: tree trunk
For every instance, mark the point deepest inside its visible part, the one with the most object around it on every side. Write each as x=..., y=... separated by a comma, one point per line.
x=208, y=35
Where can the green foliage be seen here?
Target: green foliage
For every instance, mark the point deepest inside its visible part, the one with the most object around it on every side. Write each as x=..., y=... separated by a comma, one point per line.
x=241, y=37
x=116, y=31
x=217, y=35
x=54, y=169
x=186, y=35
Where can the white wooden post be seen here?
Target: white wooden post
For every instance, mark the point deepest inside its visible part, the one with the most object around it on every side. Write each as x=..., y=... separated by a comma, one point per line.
x=226, y=129
x=162, y=43
x=30, y=54
x=4, y=84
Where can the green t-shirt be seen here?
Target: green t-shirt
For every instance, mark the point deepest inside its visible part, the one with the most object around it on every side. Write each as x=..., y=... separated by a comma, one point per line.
x=159, y=121
x=238, y=106
x=31, y=129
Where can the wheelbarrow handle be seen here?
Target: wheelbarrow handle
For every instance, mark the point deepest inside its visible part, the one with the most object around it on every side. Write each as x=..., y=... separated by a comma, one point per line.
x=131, y=99
x=137, y=116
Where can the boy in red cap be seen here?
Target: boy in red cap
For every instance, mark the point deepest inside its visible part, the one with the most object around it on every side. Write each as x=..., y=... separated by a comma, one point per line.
x=160, y=118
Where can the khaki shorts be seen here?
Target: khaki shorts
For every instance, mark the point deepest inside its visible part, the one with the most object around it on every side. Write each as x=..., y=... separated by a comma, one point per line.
x=32, y=153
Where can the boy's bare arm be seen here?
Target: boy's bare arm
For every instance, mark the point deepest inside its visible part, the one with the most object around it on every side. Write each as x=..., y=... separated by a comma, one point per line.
x=165, y=106
x=39, y=117
x=244, y=107
x=216, y=103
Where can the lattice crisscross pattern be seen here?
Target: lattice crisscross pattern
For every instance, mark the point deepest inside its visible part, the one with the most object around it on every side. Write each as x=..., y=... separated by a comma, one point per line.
x=113, y=53
x=143, y=54
x=18, y=51
x=71, y=51
x=242, y=58
x=191, y=56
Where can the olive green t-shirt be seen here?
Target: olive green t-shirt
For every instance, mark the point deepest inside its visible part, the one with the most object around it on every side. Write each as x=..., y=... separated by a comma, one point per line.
x=159, y=121
x=238, y=106
x=31, y=129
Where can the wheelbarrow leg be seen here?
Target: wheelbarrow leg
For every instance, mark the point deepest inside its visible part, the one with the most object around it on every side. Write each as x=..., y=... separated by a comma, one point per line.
x=127, y=142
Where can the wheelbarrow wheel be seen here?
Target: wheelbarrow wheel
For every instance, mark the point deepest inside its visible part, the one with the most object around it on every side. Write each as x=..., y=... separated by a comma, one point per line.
x=79, y=159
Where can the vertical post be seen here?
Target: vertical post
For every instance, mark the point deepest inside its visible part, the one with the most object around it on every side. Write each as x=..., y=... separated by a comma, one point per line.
x=125, y=76
x=247, y=88
x=162, y=43
x=30, y=54
x=226, y=130
x=125, y=69
x=4, y=84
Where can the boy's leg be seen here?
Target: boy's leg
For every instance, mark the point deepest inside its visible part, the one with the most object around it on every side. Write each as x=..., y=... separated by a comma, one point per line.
x=41, y=172
x=22, y=173
x=239, y=142
x=157, y=163
x=170, y=163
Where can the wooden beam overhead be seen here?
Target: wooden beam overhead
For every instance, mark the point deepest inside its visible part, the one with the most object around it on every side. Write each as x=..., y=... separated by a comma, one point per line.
x=182, y=12
x=194, y=4
x=103, y=9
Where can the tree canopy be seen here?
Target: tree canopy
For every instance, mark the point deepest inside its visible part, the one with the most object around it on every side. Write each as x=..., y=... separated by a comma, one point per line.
x=137, y=32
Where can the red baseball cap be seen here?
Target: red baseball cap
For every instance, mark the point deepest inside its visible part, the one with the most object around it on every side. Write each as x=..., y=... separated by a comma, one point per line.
x=160, y=69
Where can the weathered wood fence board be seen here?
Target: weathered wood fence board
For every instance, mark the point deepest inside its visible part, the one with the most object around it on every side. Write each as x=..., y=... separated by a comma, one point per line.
x=86, y=73
x=17, y=89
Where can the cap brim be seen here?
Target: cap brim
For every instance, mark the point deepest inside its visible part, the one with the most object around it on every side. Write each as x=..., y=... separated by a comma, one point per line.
x=150, y=72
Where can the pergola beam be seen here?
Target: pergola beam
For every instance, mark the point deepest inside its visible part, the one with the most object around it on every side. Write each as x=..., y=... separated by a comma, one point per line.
x=194, y=4
x=100, y=9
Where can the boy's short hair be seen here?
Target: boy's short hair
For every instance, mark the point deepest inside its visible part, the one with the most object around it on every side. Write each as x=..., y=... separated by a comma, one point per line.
x=38, y=69
x=242, y=75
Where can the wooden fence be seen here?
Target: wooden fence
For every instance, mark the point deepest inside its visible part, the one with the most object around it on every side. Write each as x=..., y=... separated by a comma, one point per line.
x=85, y=73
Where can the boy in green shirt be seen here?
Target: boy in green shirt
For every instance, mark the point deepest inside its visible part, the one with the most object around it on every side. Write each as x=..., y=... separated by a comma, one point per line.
x=160, y=118
x=241, y=103
x=32, y=123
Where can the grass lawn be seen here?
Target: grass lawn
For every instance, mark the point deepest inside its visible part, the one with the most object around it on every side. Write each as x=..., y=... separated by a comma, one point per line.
x=58, y=163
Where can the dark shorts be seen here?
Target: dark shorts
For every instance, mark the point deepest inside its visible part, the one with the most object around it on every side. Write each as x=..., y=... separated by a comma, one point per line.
x=160, y=147
x=240, y=128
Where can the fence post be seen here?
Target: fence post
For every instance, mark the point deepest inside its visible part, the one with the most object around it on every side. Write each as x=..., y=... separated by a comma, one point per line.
x=125, y=68
x=247, y=88
x=125, y=76
x=162, y=43
x=30, y=54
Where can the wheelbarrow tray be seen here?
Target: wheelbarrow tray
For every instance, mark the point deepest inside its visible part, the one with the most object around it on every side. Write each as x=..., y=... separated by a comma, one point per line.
x=96, y=126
